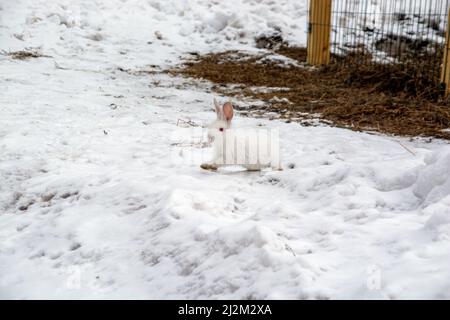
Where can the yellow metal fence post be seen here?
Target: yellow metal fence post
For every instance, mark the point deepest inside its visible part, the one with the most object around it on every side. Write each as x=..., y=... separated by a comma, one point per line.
x=445, y=70
x=319, y=29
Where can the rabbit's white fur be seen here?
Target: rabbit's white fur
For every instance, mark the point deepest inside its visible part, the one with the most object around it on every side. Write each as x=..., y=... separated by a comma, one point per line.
x=229, y=145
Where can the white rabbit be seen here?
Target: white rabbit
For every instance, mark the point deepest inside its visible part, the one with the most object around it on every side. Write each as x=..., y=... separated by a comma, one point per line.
x=254, y=149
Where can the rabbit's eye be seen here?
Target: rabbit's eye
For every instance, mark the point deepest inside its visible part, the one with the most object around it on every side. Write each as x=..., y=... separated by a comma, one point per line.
x=220, y=129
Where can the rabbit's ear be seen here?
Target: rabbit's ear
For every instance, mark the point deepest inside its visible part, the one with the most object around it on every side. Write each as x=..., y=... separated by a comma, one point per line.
x=218, y=108
x=228, y=111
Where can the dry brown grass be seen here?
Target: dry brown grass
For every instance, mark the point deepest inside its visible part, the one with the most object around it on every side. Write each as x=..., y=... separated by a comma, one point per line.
x=386, y=99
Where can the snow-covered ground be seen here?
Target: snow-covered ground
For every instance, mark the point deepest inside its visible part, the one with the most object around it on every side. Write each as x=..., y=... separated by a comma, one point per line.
x=96, y=200
x=388, y=28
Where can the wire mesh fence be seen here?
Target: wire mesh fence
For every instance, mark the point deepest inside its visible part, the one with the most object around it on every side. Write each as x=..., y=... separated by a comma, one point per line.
x=409, y=34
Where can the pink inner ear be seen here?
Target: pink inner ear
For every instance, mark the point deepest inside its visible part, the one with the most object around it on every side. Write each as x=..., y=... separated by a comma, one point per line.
x=228, y=111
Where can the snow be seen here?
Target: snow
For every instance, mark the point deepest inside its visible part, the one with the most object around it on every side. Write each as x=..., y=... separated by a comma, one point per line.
x=368, y=24
x=96, y=200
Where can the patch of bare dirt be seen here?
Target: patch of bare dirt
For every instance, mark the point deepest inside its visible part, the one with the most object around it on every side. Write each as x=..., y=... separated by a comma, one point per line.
x=373, y=97
x=24, y=55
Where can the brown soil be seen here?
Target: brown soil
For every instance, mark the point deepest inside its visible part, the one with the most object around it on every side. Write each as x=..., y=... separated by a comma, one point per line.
x=23, y=55
x=362, y=97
